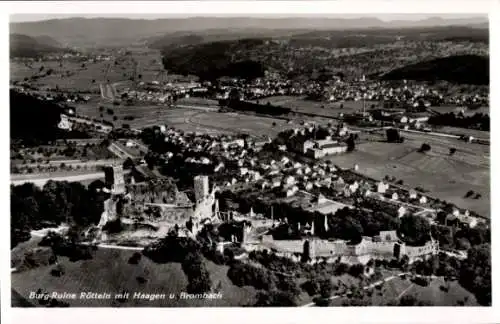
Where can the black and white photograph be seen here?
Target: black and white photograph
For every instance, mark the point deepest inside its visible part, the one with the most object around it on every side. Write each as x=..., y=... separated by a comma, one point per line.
x=335, y=160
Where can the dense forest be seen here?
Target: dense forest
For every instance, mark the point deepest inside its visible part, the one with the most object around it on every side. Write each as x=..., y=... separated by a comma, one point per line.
x=213, y=60
x=476, y=121
x=32, y=120
x=459, y=69
x=378, y=36
x=57, y=202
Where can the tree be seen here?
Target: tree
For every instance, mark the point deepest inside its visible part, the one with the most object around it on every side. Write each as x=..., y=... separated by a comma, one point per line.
x=325, y=288
x=312, y=286
x=475, y=273
x=356, y=270
x=410, y=300
x=128, y=164
x=351, y=145
x=306, y=253
x=275, y=298
x=404, y=263
x=424, y=148
x=414, y=230
x=452, y=150
x=469, y=193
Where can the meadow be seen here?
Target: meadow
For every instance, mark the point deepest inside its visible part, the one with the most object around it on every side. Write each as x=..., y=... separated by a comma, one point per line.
x=445, y=177
x=109, y=271
x=394, y=290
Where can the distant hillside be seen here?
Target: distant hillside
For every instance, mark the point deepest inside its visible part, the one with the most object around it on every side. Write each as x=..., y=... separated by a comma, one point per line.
x=374, y=36
x=460, y=69
x=112, y=31
x=48, y=41
x=212, y=60
x=26, y=46
x=174, y=40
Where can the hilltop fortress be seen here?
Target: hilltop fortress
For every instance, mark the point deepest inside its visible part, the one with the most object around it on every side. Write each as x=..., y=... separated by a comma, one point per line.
x=157, y=219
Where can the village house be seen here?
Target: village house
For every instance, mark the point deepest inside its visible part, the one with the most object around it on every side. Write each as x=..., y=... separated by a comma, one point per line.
x=382, y=187
x=465, y=218
x=289, y=180
x=263, y=184
x=275, y=182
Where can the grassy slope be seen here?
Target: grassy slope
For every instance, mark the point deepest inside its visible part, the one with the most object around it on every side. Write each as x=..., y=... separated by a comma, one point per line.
x=398, y=288
x=109, y=271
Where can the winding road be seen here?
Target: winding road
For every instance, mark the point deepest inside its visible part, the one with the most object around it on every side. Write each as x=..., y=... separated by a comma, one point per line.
x=365, y=287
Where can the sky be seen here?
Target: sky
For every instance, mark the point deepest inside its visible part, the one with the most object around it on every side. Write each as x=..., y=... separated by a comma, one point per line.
x=385, y=17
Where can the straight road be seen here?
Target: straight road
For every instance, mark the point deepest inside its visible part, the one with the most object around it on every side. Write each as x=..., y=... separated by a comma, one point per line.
x=206, y=108
x=75, y=163
x=40, y=182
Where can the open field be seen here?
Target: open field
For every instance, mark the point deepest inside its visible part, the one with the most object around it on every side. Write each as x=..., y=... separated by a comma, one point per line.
x=188, y=119
x=71, y=75
x=109, y=271
x=470, y=132
x=234, y=122
x=446, y=177
x=328, y=109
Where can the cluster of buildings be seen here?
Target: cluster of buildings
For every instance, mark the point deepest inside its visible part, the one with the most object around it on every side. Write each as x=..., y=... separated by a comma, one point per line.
x=285, y=178
x=300, y=184
x=164, y=92
x=261, y=88
x=405, y=94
